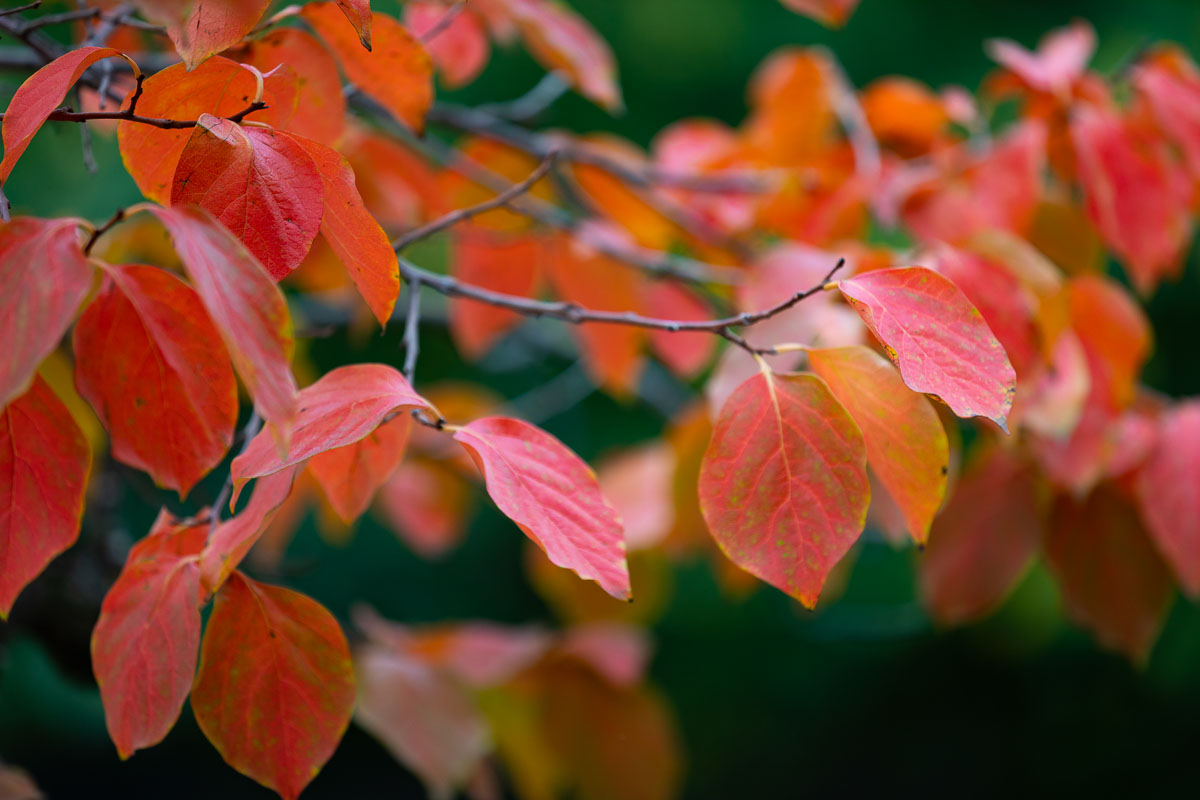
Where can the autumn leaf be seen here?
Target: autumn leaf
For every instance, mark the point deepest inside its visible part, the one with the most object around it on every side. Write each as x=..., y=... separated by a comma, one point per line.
x=686, y=354
x=245, y=305
x=984, y=540
x=167, y=395
x=341, y=408
x=460, y=50
x=259, y=184
x=553, y=496
x=939, y=341
x=231, y=540
x=352, y=233
x=831, y=13
x=351, y=475
x=1168, y=496
x=509, y=265
x=358, y=12
x=427, y=505
x=146, y=642
x=38, y=97
x=906, y=444
x=1112, y=581
x=212, y=26
x=396, y=71
x=275, y=688
x=1060, y=60
x=44, y=463
x=783, y=484
x=40, y=303
x=220, y=87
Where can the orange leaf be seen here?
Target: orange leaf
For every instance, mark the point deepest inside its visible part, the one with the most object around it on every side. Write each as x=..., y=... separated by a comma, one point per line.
x=320, y=104
x=219, y=87
x=351, y=475
x=938, y=339
x=248, y=309
x=427, y=505
x=146, y=641
x=686, y=354
x=396, y=71
x=275, y=688
x=353, y=234
x=166, y=395
x=1168, y=491
x=40, y=303
x=553, y=496
x=344, y=406
x=40, y=94
x=508, y=265
x=983, y=541
x=906, y=444
x=260, y=184
x=783, y=485
x=359, y=14
x=1114, y=333
x=44, y=463
x=1112, y=580
x=212, y=26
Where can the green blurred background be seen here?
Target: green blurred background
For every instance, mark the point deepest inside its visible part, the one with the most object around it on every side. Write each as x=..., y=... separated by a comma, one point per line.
x=861, y=696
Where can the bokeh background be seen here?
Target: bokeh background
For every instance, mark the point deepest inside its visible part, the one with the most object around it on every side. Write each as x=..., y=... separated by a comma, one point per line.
x=863, y=695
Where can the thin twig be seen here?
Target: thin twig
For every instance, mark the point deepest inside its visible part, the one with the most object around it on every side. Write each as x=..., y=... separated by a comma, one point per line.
x=56, y=19
x=442, y=24
x=412, y=330
x=103, y=229
x=63, y=115
x=529, y=105
x=576, y=315
x=461, y=214
x=27, y=7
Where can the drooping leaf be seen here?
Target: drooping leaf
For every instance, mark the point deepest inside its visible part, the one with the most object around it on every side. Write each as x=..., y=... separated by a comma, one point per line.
x=397, y=71
x=40, y=301
x=906, y=444
x=234, y=537
x=260, y=184
x=460, y=50
x=44, y=463
x=939, y=340
x=275, y=688
x=553, y=496
x=211, y=26
x=1112, y=580
x=1169, y=493
x=831, y=13
x=351, y=475
x=783, y=484
x=166, y=395
x=353, y=234
x=40, y=94
x=983, y=541
x=220, y=87
x=341, y=408
x=508, y=265
x=245, y=305
x=320, y=112
x=359, y=14
x=146, y=642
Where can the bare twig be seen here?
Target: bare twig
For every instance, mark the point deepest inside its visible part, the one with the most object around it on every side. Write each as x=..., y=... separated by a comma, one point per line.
x=459, y=215
x=412, y=330
x=63, y=115
x=103, y=229
x=543, y=95
x=446, y=21
x=17, y=10
x=55, y=19
x=867, y=161
x=576, y=315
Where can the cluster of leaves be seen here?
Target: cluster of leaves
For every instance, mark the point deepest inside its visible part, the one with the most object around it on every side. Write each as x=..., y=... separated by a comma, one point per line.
x=263, y=166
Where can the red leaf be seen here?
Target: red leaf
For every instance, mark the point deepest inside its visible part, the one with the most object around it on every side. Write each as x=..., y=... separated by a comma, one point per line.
x=553, y=496
x=351, y=475
x=44, y=462
x=320, y=104
x=906, y=444
x=1138, y=197
x=508, y=265
x=166, y=395
x=234, y=537
x=40, y=303
x=983, y=541
x=1170, y=84
x=260, y=184
x=460, y=50
x=397, y=71
x=1169, y=493
x=686, y=354
x=40, y=94
x=427, y=505
x=219, y=87
x=939, y=340
x=1113, y=582
x=783, y=484
x=146, y=641
x=275, y=689
x=345, y=405
x=212, y=26
x=830, y=13
x=245, y=305
x=353, y=234
x=359, y=14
